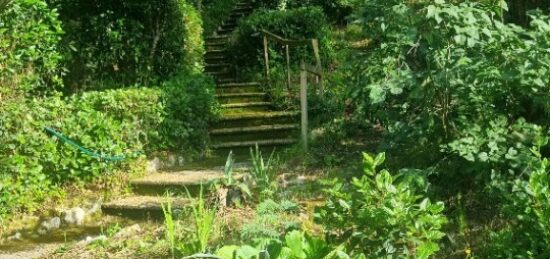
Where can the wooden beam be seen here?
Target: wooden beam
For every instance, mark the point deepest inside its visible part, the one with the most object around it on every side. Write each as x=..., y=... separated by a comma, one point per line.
x=284, y=41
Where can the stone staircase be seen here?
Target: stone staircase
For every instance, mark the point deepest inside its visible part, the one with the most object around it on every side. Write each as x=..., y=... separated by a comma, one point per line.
x=248, y=115
x=248, y=118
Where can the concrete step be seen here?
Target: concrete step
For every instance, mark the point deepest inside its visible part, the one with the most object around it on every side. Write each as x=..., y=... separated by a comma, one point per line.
x=260, y=142
x=177, y=182
x=140, y=207
x=254, y=133
x=215, y=59
x=241, y=97
x=221, y=74
x=216, y=67
x=226, y=80
x=261, y=128
x=260, y=105
x=252, y=119
x=215, y=46
x=225, y=31
x=229, y=88
x=217, y=39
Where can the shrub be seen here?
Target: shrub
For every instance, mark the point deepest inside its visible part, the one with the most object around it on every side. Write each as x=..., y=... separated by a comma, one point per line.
x=429, y=91
x=29, y=58
x=173, y=117
x=527, y=209
x=214, y=12
x=32, y=163
x=381, y=215
x=128, y=42
x=301, y=23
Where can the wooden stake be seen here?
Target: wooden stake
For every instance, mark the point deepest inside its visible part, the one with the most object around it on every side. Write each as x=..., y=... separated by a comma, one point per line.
x=303, y=104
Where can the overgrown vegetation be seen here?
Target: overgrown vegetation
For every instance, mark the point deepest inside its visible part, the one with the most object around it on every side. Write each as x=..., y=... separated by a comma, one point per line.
x=455, y=93
x=41, y=51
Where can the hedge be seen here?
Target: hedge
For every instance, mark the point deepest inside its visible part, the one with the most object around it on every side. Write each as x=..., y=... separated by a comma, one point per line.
x=173, y=116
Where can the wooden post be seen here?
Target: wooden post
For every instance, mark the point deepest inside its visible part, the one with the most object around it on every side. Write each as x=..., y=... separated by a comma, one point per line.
x=303, y=104
x=266, y=59
x=288, y=68
x=316, y=51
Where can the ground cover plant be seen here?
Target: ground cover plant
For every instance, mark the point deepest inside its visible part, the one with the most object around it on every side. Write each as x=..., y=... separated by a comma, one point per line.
x=431, y=139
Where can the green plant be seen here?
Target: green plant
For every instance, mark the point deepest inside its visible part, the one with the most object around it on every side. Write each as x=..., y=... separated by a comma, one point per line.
x=382, y=215
x=30, y=60
x=229, y=189
x=214, y=12
x=33, y=164
x=246, y=47
x=169, y=224
x=263, y=172
x=526, y=206
x=120, y=43
x=295, y=245
x=271, y=221
x=204, y=219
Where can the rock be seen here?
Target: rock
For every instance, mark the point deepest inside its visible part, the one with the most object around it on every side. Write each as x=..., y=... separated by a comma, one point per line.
x=90, y=239
x=128, y=232
x=154, y=165
x=74, y=216
x=49, y=225
x=15, y=237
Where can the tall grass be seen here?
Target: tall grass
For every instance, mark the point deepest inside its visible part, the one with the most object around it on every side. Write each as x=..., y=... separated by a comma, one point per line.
x=263, y=172
x=169, y=224
x=204, y=218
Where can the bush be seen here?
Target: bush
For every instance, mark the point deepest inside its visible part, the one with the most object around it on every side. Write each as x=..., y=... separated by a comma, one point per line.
x=336, y=10
x=128, y=42
x=29, y=58
x=214, y=12
x=173, y=117
x=527, y=209
x=298, y=24
x=420, y=85
x=381, y=215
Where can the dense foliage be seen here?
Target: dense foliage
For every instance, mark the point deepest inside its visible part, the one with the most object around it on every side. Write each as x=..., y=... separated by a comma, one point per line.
x=383, y=216
x=297, y=24
x=173, y=117
x=336, y=10
x=29, y=55
x=112, y=43
x=214, y=12
x=463, y=96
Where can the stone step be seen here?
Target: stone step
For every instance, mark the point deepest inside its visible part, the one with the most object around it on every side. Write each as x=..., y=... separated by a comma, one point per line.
x=236, y=88
x=215, y=52
x=224, y=31
x=261, y=128
x=217, y=39
x=215, y=67
x=260, y=142
x=215, y=46
x=140, y=207
x=241, y=97
x=215, y=59
x=254, y=133
x=221, y=74
x=262, y=105
x=226, y=80
x=252, y=119
x=177, y=182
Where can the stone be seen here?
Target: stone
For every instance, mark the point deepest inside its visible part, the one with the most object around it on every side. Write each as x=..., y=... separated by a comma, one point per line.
x=16, y=237
x=154, y=165
x=74, y=216
x=128, y=232
x=49, y=225
x=90, y=239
